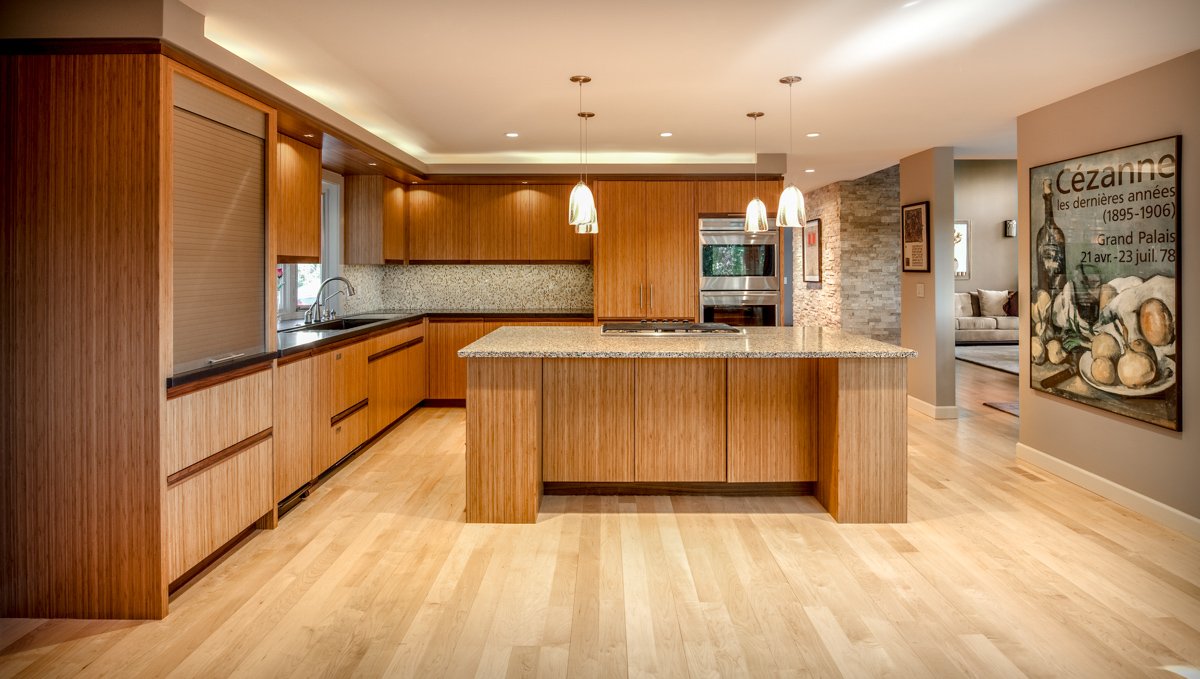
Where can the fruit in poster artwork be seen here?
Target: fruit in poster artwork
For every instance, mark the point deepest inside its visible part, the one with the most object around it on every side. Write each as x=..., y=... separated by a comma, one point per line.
x=1107, y=292
x=1037, y=351
x=1155, y=322
x=1136, y=369
x=1103, y=370
x=1055, y=351
x=1105, y=345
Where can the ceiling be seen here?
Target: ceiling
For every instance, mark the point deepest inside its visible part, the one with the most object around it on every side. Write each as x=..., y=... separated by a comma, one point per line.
x=882, y=79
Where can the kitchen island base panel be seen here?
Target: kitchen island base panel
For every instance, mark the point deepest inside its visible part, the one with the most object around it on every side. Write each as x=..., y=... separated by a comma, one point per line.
x=504, y=436
x=862, y=458
x=717, y=488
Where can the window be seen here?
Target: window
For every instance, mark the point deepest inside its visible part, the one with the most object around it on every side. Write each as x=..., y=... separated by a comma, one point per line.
x=296, y=284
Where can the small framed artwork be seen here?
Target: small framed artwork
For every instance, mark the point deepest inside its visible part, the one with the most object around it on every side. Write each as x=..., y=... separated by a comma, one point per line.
x=812, y=251
x=914, y=223
x=962, y=249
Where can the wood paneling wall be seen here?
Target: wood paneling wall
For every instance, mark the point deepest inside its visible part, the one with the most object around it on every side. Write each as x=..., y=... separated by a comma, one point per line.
x=81, y=481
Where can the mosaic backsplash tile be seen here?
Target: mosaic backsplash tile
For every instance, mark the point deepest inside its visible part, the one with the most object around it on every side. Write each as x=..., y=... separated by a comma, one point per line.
x=470, y=286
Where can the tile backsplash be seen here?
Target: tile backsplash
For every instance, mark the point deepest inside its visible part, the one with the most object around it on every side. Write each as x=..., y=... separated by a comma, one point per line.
x=469, y=286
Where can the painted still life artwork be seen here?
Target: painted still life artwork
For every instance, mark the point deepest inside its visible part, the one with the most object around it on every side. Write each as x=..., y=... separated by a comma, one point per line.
x=1104, y=282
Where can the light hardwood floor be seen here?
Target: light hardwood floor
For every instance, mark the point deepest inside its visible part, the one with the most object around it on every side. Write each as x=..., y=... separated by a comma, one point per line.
x=1002, y=570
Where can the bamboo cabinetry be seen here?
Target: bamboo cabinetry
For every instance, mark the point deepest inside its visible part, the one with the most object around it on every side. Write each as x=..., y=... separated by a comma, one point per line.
x=295, y=406
x=298, y=182
x=448, y=372
x=376, y=219
x=439, y=227
x=646, y=250
x=524, y=223
x=395, y=376
x=341, y=404
x=218, y=459
x=725, y=196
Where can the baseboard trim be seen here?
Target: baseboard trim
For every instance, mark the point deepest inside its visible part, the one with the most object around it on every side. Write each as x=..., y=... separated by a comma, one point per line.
x=930, y=410
x=1147, y=506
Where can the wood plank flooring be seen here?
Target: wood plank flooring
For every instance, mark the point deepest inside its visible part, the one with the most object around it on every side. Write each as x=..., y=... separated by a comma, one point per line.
x=1002, y=571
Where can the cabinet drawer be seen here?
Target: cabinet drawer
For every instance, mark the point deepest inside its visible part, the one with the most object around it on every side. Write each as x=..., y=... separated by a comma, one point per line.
x=385, y=342
x=344, y=377
x=208, y=509
x=346, y=435
x=206, y=422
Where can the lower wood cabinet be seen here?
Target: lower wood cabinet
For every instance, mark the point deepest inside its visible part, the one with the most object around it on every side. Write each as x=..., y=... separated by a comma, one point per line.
x=342, y=436
x=680, y=419
x=295, y=403
x=396, y=375
x=772, y=420
x=210, y=508
x=587, y=421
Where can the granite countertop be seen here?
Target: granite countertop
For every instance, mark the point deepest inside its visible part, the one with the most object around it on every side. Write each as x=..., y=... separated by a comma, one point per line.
x=587, y=342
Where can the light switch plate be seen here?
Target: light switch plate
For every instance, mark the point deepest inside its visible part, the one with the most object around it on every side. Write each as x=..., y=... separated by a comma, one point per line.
x=921, y=290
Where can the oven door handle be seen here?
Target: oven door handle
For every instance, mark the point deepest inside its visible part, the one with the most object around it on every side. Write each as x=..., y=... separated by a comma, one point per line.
x=739, y=299
x=738, y=239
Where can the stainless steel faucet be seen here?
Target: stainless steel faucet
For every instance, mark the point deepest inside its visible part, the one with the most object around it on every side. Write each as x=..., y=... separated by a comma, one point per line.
x=317, y=312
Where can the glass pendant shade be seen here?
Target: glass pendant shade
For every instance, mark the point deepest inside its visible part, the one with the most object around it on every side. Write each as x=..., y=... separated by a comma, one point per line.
x=791, y=208
x=582, y=209
x=756, y=216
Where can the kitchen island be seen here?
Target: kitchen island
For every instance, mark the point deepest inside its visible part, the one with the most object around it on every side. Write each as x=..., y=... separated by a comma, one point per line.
x=802, y=410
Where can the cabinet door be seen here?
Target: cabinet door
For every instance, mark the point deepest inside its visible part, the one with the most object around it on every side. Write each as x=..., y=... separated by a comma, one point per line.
x=438, y=223
x=385, y=384
x=293, y=429
x=343, y=377
x=680, y=439
x=620, y=244
x=587, y=423
x=497, y=219
x=362, y=239
x=298, y=235
x=550, y=236
x=413, y=382
x=395, y=222
x=672, y=251
x=448, y=372
x=772, y=420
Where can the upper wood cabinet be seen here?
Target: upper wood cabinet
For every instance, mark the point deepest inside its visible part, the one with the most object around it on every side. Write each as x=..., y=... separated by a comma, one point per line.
x=298, y=232
x=376, y=219
x=498, y=222
x=439, y=228
x=647, y=250
x=733, y=195
x=551, y=238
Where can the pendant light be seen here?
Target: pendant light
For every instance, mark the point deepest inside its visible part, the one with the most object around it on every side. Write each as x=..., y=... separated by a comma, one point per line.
x=581, y=212
x=791, y=201
x=756, y=211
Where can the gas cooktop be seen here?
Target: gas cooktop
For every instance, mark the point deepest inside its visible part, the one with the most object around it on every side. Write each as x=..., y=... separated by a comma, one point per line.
x=663, y=328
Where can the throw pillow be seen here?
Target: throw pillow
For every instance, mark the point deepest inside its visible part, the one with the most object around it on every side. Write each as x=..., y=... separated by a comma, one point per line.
x=1010, y=307
x=991, y=302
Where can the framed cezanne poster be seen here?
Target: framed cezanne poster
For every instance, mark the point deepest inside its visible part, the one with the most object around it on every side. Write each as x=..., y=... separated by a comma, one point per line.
x=1105, y=280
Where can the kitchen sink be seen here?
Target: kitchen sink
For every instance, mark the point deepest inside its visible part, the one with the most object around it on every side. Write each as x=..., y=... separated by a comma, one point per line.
x=337, y=324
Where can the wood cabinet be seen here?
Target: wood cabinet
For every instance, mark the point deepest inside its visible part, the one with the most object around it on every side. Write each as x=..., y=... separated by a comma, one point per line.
x=395, y=376
x=647, y=250
x=524, y=223
x=295, y=406
x=375, y=220
x=724, y=196
x=439, y=228
x=772, y=423
x=587, y=430
x=341, y=385
x=680, y=419
x=551, y=238
x=298, y=182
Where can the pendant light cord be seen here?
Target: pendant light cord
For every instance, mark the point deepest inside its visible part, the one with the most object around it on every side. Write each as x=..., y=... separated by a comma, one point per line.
x=791, y=133
x=582, y=125
x=756, y=156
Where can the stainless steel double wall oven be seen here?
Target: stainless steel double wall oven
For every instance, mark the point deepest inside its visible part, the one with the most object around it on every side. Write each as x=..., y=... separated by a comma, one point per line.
x=744, y=277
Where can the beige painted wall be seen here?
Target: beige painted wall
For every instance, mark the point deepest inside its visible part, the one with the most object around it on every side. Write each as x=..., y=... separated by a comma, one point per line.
x=1155, y=103
x=985, y=194
x=927, y=323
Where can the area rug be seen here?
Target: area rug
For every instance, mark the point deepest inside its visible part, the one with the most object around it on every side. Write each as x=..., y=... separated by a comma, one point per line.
x=1010, y=407
x=997, y=356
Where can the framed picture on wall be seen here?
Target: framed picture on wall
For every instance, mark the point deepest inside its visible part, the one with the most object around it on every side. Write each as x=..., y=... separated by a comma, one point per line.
x=812, y=251
x=962, y=249
x=1104, y=281
x=914, y=223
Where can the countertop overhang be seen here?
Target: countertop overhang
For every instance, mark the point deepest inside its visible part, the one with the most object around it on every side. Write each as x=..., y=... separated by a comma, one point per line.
x=588, y=342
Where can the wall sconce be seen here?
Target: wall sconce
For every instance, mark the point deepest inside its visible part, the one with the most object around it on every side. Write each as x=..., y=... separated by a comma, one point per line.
x=1010, y=228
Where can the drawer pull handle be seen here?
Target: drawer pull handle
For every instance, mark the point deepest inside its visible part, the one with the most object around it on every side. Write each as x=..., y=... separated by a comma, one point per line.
x=338, y=430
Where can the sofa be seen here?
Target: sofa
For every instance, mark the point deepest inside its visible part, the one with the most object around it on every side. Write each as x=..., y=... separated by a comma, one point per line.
x=973, y=327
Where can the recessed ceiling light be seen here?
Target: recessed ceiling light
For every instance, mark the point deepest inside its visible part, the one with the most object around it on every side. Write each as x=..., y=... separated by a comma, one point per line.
x=665, y=134
x=524, y=182
x=910, y=3
x=309, y=136
x=372, y=164
x=810, y=170
x=511, y=135
x=813, y=134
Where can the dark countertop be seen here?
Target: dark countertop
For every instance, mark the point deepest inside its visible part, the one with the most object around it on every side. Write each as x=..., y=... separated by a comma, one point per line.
x=292, y=342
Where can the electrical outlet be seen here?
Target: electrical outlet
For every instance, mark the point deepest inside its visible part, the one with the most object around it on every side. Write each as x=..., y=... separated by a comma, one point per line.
x=921, y=290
